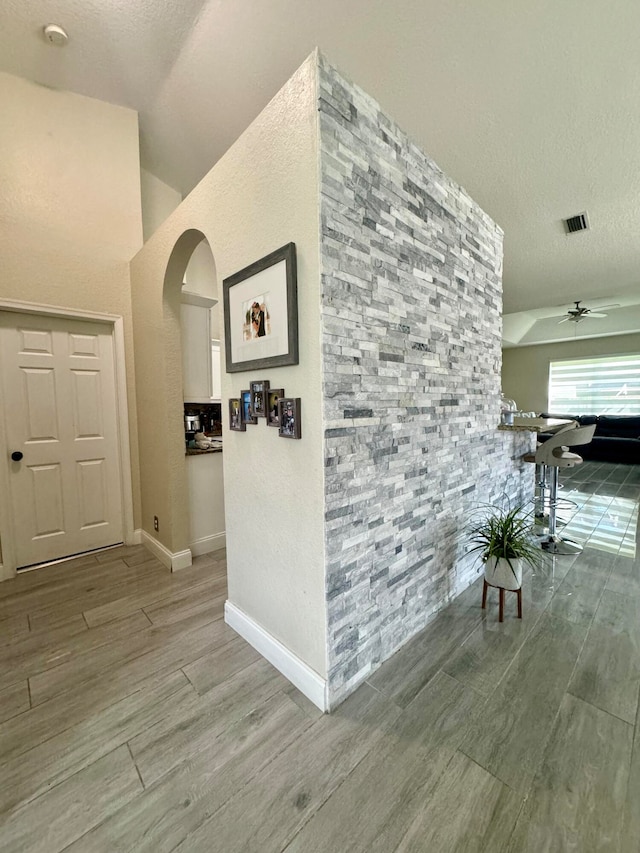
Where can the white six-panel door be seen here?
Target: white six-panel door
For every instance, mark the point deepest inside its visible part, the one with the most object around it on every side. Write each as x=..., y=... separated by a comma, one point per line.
x=59, y=401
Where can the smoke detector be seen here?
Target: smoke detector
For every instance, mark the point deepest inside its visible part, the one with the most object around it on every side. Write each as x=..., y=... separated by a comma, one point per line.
x=55, y=34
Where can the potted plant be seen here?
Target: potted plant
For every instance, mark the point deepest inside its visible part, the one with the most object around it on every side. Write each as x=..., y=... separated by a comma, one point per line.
x=504, y=541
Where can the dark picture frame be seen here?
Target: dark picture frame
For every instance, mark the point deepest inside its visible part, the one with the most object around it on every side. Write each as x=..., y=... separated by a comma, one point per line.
x=273, y=414
x=289, y=413
x=236, y=424
x=259, y=391
x=261, y=313
x=248, y=417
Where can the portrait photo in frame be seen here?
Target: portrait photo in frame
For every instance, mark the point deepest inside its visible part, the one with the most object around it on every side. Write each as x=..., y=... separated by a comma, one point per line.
x=235, y=415
x=259, y=391
x=289, y=413
x=248, y=416
x=261, y=313
x=273, y=416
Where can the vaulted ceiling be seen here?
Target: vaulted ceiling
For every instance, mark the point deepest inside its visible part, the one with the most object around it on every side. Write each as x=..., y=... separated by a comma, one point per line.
x=532, y=107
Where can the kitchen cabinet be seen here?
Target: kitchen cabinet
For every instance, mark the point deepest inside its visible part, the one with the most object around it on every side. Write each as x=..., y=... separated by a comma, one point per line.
x=205, y=485
x=195, y=319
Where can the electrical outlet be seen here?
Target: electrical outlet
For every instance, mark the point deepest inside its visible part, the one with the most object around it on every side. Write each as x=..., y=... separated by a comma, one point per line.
x=156, y=525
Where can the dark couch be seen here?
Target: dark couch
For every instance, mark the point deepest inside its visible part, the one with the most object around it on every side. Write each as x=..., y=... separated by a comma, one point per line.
x=616, y=439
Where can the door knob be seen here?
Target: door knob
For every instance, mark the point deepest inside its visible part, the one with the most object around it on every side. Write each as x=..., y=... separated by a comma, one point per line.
x=16, y=456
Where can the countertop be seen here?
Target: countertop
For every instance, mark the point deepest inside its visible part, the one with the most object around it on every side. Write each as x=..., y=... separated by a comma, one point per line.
x=194, y=451
x=535, y=425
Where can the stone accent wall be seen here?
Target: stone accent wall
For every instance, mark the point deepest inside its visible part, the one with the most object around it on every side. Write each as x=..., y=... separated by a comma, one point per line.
x=411, y=331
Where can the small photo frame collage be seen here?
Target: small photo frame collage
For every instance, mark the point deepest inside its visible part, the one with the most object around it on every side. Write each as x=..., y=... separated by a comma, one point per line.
x=262, y=401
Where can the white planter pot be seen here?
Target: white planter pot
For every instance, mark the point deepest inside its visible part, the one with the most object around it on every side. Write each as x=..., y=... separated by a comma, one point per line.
x=498, y=572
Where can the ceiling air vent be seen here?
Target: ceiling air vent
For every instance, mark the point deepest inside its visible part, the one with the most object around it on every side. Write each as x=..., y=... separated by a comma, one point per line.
x=577, y=223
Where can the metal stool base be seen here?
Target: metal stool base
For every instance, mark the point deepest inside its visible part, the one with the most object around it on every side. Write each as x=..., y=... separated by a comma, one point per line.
x=563, y=547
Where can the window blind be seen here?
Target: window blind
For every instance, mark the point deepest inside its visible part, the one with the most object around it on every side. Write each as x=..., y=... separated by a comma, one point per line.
x=595, y=386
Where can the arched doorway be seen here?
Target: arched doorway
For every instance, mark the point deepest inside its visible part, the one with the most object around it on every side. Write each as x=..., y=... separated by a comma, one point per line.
x=191, y=276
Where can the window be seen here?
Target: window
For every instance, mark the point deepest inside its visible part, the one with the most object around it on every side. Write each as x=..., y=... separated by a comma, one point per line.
x=609, y=385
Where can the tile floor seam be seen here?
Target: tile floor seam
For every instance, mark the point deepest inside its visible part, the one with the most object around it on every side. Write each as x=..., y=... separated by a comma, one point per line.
x=81, y=655
x=232, y=675
x=553, y=722
x=493, y=775
x=514, y=656
x=47, y=791
x=93, y=676
x=248, y=779
x=473, y=689
x=550, y=727
x=62, y=731
x=135, y=690
x=135, y=764
x=602, y=710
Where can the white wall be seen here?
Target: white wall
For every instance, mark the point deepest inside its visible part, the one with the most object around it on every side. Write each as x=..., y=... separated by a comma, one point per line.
x=525, y=370
x=159, y=200
x=201, y=277
x=206, y=502
x=70, y=208
x=261, y=195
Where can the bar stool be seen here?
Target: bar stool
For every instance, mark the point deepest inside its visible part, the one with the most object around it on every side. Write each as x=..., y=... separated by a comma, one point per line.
x=553, y=454
x=541, y=479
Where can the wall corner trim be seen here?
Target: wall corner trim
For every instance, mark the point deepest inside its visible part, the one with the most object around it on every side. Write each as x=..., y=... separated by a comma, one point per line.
x=135, y=538
x=208, y=544
x=175, y=562
x=294, y=670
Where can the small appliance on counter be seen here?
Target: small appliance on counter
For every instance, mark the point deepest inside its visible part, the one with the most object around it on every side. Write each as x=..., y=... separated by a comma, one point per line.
x=202, y=417
x=191, y=422
x=191, y=425
x=507, y=408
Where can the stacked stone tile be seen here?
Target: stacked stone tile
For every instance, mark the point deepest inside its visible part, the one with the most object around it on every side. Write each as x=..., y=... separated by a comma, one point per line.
x=411, y=332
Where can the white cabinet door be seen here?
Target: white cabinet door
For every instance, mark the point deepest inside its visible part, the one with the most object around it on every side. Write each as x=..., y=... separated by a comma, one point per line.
x=196, y=353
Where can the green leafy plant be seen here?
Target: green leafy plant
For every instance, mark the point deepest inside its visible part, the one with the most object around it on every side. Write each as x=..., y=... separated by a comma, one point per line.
x=504, y=534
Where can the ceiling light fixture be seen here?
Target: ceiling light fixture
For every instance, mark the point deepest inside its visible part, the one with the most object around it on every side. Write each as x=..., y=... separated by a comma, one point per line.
x=55, y=34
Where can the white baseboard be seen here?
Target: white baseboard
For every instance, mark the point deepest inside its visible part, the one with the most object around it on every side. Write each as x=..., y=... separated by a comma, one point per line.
x=208, y=544
x=135, y=538
x=174, y=561
x=295, y=670
x=6, y=573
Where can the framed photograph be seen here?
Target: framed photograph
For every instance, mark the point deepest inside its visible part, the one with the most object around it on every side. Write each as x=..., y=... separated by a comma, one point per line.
x=261, y=313
x=248, y=416
x=273, y=415
x=235, y=415
x=289, y=413
x=259, y=391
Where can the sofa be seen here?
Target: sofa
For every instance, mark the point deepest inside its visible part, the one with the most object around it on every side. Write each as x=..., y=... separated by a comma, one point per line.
x=616, y=439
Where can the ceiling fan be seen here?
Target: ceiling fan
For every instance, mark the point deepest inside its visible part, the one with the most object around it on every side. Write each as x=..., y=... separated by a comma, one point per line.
x=575, y=315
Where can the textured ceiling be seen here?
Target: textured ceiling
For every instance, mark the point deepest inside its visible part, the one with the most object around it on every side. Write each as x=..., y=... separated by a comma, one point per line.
x=533, y=107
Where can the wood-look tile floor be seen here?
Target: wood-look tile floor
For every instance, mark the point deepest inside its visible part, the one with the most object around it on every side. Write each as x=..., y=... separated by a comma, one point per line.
x=133, y=719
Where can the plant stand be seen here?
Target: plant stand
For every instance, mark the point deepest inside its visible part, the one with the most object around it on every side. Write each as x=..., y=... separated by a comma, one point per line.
x=518, y=593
